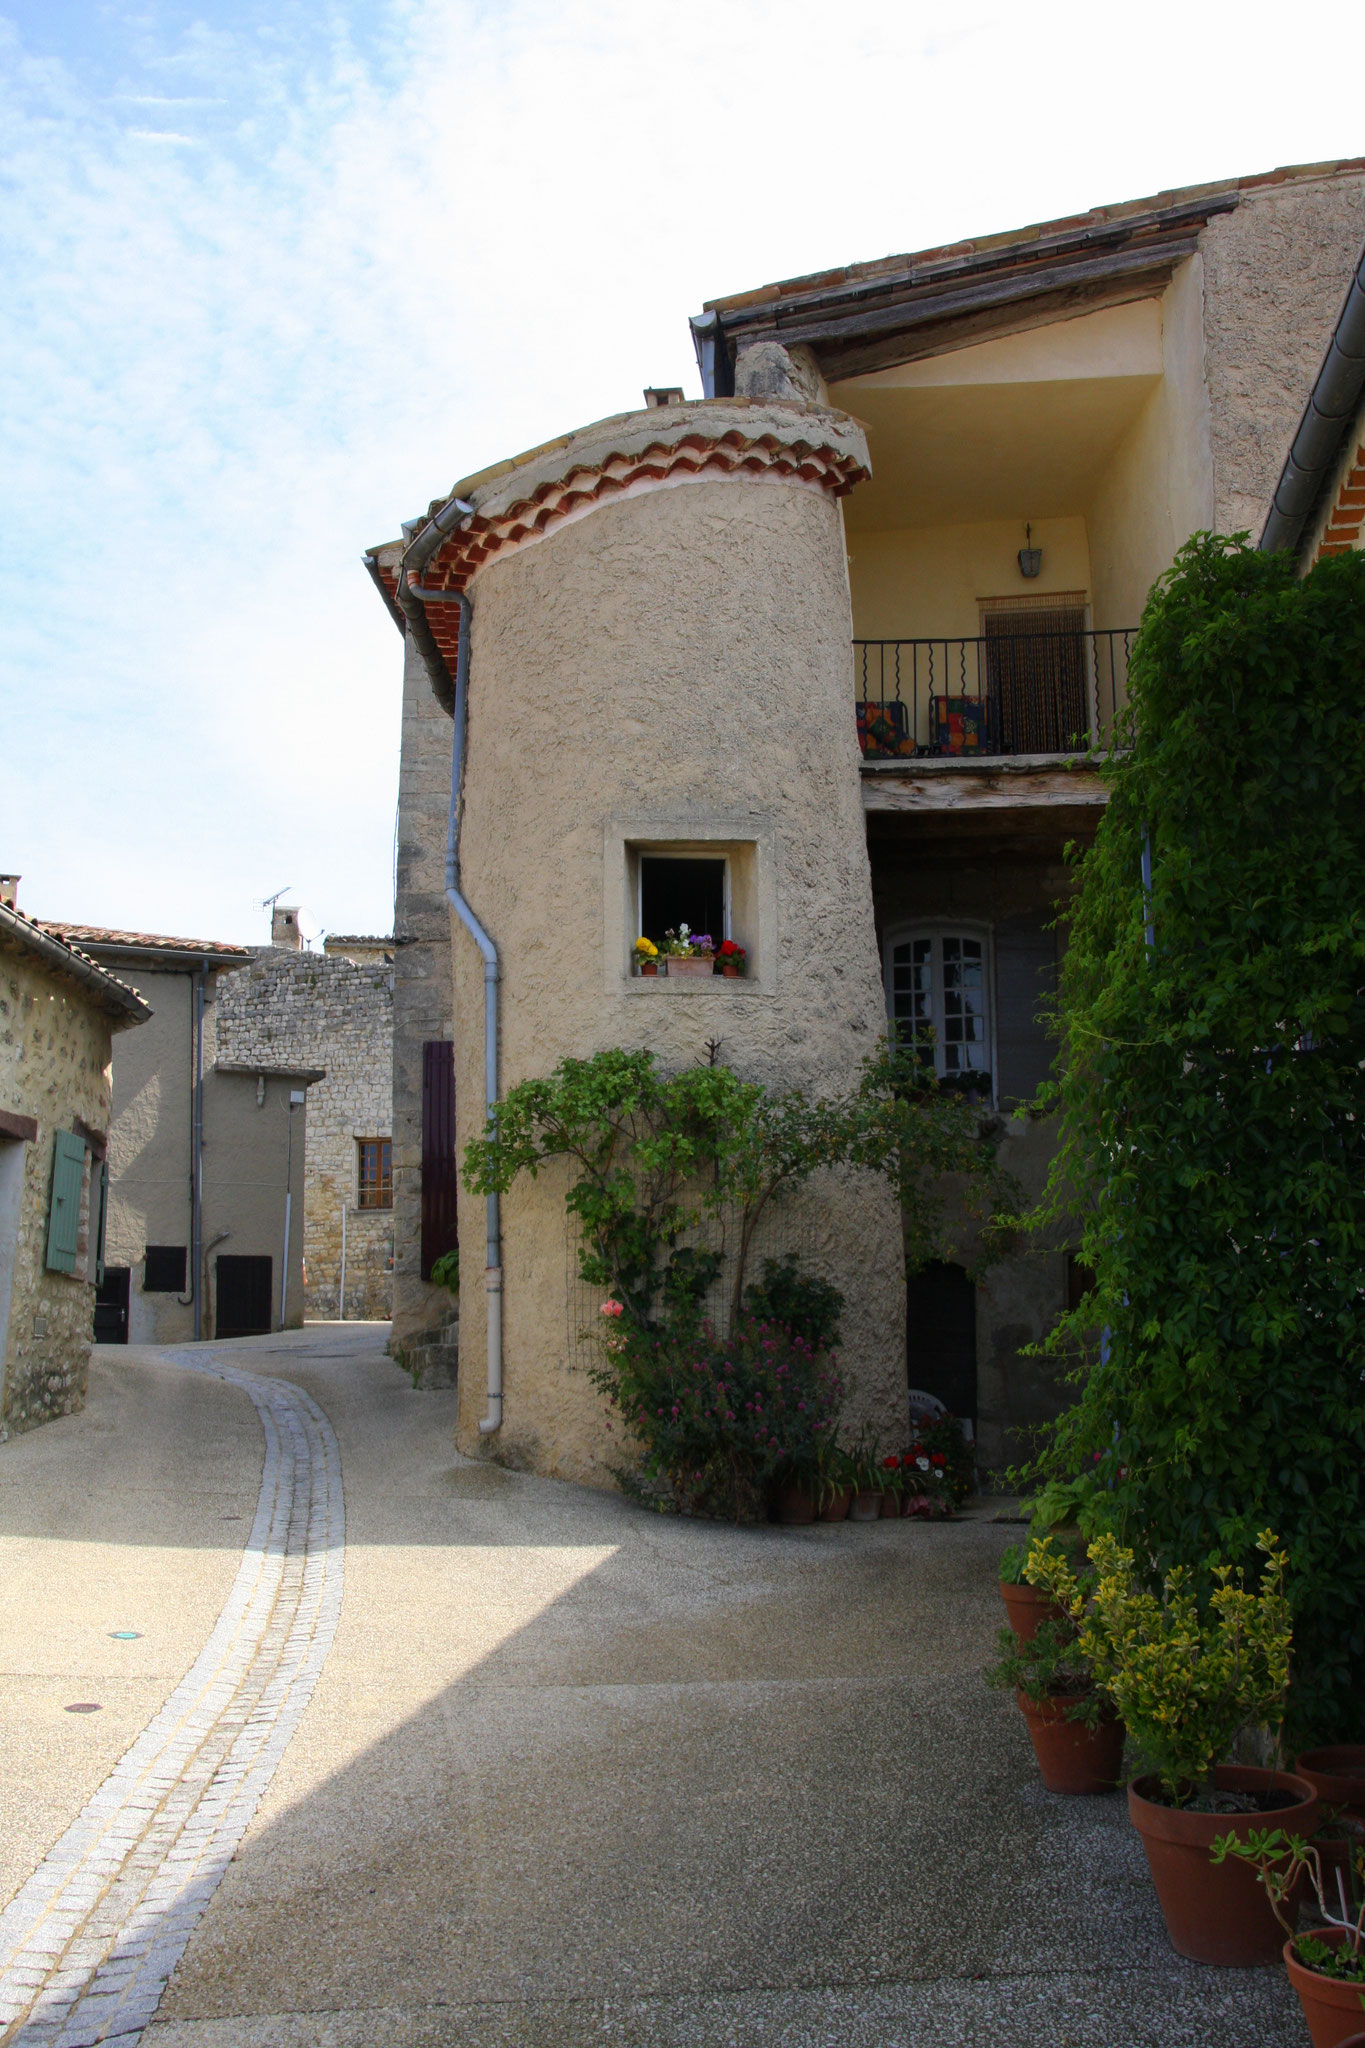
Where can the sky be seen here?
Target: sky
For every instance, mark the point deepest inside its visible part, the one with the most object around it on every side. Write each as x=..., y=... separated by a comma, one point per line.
x=272, y=277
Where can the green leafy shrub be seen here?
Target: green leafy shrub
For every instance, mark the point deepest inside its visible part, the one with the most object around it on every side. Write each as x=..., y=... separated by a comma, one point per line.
x=1050, y=1666
x=445, y=1271
x=1212, y=1019
x=1185, y=1681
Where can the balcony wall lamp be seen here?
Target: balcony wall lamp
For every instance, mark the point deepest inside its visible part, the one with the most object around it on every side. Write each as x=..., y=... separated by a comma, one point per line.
x=1030, y=557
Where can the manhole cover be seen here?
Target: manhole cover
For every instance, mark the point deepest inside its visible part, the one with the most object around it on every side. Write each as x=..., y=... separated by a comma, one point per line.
x=84, y=1707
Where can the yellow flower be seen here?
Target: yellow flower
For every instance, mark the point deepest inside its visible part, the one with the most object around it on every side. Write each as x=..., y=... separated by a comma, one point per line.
x=646, y=949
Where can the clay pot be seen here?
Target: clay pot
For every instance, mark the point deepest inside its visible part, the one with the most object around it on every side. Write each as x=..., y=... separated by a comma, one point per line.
x=649, y=968
x=890, y=1507
x=733, y=973
x=1072, y=1757
x=795, y=1505
x=1026, y=1609
x=1331, y=2006
x=1218, y=1913
x=836, y=1507
x=1337, y=1775
x=866, y=1507
x=703, y=967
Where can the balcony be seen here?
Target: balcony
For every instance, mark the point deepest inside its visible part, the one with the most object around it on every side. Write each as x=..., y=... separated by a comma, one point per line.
x=1000, y=695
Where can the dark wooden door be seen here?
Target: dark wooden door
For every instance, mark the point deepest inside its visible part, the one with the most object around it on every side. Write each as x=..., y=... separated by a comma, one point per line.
x=439, y=1181
x=111, y=1305
x=940, y=1336
x=243, y=1306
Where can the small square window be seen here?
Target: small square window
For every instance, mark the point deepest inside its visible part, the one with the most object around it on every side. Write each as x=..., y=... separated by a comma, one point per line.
x=374, y=1179
x=677, y=891
x=163, y=1269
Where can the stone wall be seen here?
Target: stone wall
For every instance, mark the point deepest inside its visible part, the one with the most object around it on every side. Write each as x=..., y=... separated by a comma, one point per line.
x=55, y=1066
x=423, y=998
x=326, y=1011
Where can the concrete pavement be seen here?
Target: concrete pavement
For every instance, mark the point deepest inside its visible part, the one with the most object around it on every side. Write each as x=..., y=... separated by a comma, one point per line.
x=572, y=1773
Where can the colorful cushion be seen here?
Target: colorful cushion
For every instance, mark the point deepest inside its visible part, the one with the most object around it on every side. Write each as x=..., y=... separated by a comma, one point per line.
x=884, y=729
x=959, y=725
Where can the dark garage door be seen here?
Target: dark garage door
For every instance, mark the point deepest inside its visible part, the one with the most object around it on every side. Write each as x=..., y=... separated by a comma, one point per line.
x=243, y=1297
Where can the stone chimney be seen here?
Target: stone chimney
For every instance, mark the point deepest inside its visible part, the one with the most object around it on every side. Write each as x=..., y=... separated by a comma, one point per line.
x=9, y=891
x=284, y=927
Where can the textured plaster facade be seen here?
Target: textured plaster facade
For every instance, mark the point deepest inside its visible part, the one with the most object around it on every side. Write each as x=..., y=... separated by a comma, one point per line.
x=649, y=643
x=55, y=1054
x=330, y=1013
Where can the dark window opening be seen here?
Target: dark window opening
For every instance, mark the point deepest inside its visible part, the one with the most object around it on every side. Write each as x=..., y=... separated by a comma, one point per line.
x=679, y=891
x=163, y=1269
x=111, y=1305
x=375, y=1174
x=940, y=1336
x=1080, y=1280
x=439, y=1182
x=243, y=1297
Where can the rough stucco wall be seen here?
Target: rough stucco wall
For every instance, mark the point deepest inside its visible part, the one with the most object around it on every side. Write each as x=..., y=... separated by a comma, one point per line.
x=253, y=1145
x=314, y=1010
x=1276, y=272
x=149, y=1147
x=1157, y=487
x=423, y=997
x=55, y=1066
x=680, y=659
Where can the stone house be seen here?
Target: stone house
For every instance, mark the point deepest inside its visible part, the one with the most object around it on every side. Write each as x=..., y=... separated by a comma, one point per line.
x=59, y=1013
x=331, y=1012
x=1319, y=504
x=206, y=1155
x=816, y=662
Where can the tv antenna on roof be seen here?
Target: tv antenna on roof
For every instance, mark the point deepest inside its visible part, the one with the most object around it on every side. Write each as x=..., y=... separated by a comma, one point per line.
x=269, y=902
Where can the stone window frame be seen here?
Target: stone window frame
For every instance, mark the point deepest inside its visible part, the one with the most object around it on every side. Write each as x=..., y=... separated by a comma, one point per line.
x=748, y=846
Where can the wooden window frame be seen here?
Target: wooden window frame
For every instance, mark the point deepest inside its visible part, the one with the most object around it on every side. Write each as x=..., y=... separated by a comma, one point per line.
x=377, y=1193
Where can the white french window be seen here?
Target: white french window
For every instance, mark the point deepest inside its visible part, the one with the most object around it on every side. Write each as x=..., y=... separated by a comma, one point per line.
x=938, y=1002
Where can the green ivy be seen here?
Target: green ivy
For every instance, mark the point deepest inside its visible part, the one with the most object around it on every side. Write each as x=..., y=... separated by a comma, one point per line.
x=1213, y=1100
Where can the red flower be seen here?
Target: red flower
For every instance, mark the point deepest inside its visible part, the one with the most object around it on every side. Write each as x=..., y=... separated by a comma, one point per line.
x=890, y=1464
x=938, y=1459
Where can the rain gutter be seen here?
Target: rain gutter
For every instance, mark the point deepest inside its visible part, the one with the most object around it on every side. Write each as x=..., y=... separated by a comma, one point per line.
x=1326, y=422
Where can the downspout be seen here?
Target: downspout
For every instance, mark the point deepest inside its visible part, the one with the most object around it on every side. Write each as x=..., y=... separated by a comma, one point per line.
x=196, y=1292
x=417, y=555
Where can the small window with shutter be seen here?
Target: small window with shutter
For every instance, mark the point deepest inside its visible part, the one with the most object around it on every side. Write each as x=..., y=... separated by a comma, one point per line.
x=64, y=1209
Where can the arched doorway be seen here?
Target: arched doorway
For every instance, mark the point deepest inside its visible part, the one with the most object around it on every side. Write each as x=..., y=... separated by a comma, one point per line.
x=940, y=1336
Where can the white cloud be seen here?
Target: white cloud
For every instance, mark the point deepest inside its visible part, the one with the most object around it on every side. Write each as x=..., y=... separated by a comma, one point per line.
x=404, y=242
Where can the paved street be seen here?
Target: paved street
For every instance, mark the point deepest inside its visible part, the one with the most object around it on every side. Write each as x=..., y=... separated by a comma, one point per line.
x=498, y=1761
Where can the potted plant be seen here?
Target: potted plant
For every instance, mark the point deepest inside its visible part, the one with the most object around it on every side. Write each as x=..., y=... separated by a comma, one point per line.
x=1077, y=1736
x=864, y=1474
x=834, y=1483
x=1026, y=1607
x=796, y=1485
x=890, y=1488
x=1326, y=1964
x=730, y=959
x=1187, y=1679
x=926, y=1486
x=1337, y=1775
x=687, y=953
x=646, y=955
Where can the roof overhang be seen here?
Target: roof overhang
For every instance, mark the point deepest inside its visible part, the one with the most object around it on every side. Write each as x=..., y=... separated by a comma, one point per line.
x=122, y=1005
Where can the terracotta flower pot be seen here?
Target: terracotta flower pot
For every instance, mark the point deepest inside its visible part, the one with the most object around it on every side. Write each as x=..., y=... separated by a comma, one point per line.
x=649, y=967
x=890, y=1506
x=1026, y=1609
x=691, y=965
x=1332, y=2007
x=1072, y=1757
x=1337, y=1775
x=795, y=1505
x=1217, y=1913
x=836, y=1507
x=866, y=1507
x=732, y=973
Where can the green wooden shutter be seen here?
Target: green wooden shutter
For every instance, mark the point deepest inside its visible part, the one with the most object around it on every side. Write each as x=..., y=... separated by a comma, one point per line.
x=64, y=1214
x=100, y=1192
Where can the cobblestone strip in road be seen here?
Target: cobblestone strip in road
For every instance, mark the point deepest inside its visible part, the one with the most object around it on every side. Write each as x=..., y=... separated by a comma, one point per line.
x=88, y=1944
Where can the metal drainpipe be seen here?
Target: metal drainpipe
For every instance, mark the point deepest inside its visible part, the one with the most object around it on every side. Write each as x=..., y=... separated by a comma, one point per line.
x=415, y=557
x=196, y=1294
x=493, y=1270
x=1326, y=417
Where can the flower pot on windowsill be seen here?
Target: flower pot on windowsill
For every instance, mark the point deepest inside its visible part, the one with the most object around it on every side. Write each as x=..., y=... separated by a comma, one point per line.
x=732, y=973
x=698, y=966
x=1331, y=2005
x=1072, y=1757
x=647, y=969
x=1218, y=1913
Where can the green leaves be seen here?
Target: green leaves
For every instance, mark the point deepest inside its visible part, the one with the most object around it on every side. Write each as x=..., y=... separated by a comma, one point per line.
x=1213, y=1129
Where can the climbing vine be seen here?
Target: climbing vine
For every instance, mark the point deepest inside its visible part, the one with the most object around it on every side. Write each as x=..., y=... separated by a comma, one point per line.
x=1212, y=1024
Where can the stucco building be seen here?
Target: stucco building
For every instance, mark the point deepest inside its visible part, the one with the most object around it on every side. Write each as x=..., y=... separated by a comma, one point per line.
x=819, y=658
x=59, y=1013
x=206, y=1155
x=331, y=1012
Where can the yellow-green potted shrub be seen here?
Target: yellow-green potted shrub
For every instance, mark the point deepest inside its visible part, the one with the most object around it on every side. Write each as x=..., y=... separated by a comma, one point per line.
x=1186, y=1681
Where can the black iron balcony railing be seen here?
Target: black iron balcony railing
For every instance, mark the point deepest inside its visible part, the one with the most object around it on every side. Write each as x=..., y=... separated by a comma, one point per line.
x=1005, y=693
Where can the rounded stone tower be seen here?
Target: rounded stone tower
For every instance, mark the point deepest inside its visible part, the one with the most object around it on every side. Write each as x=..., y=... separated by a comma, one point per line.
x=660, y=672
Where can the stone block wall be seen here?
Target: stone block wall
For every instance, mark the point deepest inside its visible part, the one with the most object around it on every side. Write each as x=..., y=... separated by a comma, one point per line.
x=331, y=1012
x=55, y=1066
